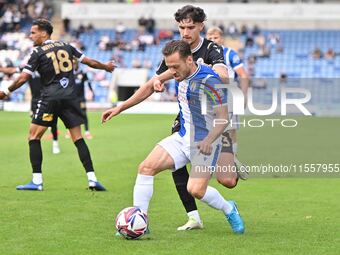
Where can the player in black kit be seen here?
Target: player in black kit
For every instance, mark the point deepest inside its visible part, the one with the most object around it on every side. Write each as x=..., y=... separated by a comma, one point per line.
x=190, y=21
x=53, y=61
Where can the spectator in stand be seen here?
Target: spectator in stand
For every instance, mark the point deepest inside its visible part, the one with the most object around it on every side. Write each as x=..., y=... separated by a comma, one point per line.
x=317, y=54
x=274, y=40
x=7, y=20
x=256, y=30
x=244, y=29
x=150, y=25
x=142, y=21
x=120, y=29
x=264, y=52
x=66, y=23
x=165, y=34
x=232, y=30
x=329, y=55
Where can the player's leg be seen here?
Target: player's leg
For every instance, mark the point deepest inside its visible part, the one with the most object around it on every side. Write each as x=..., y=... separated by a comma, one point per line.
x=202, y=168
x=42, y=117
x=158, y=160
x=231, y=212
x=36, y=157
x=35, y=152
x=85, y=158
x=198, y=187
x=242, y=171
x=72, y=116
x=86, y=121
x=55, y=143
x=181, y=177
x=227, y=161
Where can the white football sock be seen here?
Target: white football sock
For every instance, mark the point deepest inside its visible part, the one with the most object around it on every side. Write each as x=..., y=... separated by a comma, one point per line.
x=142, y=191
x=37, y=178
x=91, y=176
x=235, y=148
x=214, y=199
x=195, y=215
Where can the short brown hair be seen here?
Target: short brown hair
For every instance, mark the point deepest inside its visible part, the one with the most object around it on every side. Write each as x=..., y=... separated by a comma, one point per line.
x=180, y=46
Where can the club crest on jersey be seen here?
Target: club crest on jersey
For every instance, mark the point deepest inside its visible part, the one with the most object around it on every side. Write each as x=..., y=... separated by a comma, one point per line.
x=64, y=82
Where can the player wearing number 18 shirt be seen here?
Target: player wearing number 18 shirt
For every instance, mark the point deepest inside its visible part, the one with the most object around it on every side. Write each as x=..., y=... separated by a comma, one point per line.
x=53, y=61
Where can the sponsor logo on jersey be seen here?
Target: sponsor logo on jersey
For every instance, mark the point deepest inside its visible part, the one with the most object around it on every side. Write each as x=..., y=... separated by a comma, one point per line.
x=47, y=117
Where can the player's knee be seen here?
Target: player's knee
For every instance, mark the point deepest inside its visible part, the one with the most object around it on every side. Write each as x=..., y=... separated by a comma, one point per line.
x=228, y=182
x=33, y=135
x=197, y=191
x=146, y=168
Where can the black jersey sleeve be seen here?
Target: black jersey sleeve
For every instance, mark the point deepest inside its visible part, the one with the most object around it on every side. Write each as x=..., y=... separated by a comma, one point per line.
x=161, y=68
x=215, y=54
x=32, y=63
x=77, y=53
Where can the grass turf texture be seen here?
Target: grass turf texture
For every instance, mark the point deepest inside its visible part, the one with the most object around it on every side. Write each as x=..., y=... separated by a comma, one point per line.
x=282, y=215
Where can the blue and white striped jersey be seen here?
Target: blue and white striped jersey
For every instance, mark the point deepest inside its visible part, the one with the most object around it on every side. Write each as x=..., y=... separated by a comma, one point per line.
x=197, y=95
x=232, y=61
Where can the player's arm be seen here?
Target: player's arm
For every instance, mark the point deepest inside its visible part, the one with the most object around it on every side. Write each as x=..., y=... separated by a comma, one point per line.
x=108, y=66
x=9, y=70
x=23, y=77
x=244, y=81
x=222, y=72
x=156, y=83
x=220, y=124
x=237, y=65
x=163, y=75
x=140, y=95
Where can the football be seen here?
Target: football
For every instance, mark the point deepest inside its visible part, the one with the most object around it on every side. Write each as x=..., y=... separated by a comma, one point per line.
x=132, y=223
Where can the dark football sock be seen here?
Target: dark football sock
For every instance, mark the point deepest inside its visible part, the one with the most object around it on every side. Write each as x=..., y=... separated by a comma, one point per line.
x=36, y=156
x=84, y=155
x=54, y=131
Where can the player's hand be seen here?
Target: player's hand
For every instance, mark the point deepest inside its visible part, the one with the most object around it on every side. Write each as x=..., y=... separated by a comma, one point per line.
x=158, y=86
x=108, y=114
x=204, y=147
x=2, y=95
x=110, y=66
x=201, y=61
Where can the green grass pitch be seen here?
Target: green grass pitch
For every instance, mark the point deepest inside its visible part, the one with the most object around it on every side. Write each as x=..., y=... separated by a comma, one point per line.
x=282, y=215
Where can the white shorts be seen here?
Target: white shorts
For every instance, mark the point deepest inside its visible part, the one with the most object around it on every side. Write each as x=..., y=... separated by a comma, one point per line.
x=183, y=152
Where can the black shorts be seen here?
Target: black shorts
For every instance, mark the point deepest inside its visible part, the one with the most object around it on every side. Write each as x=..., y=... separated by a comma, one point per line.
x=176, y=126
x=34, y=105
x=227, y=145
x=46, y=112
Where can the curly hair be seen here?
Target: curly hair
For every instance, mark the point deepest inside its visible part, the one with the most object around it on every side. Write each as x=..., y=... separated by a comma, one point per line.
x=196, y=14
